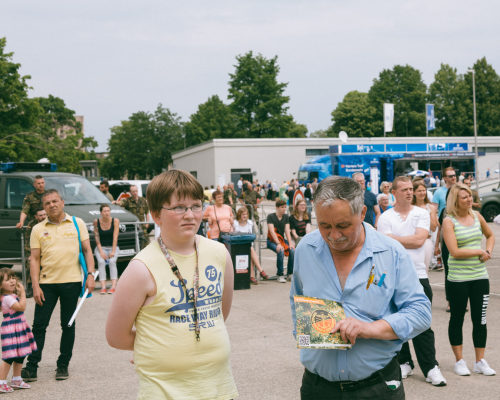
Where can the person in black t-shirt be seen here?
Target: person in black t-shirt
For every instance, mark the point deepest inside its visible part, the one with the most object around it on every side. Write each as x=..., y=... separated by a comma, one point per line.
x=279, y=239
x=300, y=221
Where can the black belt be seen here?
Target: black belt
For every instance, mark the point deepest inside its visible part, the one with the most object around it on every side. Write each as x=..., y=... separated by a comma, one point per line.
x=349, y=386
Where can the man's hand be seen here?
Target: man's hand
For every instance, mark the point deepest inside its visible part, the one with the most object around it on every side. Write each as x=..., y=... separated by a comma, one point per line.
x=38, y=295
x=292, y=245
x=351, y=328
x=19, y=225
x=103, y=255
x=279, y=248
x=90, y=285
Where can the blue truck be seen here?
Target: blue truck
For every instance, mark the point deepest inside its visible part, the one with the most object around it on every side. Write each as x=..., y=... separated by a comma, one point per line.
x=387, y=160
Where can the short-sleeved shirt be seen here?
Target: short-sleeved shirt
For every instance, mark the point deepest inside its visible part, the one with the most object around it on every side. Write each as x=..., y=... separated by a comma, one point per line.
x=278, y=224
x=370, y=202
x=251, y=197
x=59, y=249
x=31, y=204
x=299, y=226
x=439, y=198
x=138, y=207
x=390, y=222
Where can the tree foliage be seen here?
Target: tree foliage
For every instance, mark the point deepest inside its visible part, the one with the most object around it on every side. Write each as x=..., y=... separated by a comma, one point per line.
x=213, y=119
x=142, y=146
x=402, y=86
x=258, y=99
x=29, y=127
x=355, y=115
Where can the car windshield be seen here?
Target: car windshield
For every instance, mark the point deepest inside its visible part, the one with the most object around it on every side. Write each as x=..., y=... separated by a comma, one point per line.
x=303, y=175
x=75, y=190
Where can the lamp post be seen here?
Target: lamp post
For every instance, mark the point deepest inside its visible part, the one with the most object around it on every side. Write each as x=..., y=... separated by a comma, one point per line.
x=471, y=70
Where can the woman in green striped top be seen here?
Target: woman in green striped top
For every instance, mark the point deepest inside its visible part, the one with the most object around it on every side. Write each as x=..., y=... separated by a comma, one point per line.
x=463, y=230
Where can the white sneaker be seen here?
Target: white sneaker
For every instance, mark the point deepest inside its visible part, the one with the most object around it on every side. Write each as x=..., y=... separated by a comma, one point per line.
x=406, y=370
x=482, y=367
x=461, y=369
x=435, y=377
x=282, y=279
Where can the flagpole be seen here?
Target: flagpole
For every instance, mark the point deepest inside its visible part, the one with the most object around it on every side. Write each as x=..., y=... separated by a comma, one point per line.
x=426, y=129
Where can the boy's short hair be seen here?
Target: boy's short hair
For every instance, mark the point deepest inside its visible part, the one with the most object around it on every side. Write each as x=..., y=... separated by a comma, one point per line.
x=174, y=181
x=280, y=203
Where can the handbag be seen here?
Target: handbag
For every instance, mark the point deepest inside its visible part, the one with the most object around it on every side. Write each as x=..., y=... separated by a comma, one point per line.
x=81, y=259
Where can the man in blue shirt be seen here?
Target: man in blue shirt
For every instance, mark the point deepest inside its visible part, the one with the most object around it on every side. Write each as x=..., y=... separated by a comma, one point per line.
x=337, y=262
x=372, y=209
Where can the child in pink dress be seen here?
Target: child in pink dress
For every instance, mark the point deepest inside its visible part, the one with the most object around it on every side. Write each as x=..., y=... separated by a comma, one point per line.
x=17, y=338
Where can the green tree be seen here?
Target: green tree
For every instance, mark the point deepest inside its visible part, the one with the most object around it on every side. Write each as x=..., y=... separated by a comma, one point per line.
x=213, y=119
x=487, y=98
x=258, y=99
x=142, y=146
x=355, y=115
x=402, y=86
x=452, y=104
x=29, y=127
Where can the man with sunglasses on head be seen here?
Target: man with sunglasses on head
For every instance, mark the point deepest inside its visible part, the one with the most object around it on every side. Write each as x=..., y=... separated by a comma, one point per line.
x=439, y=197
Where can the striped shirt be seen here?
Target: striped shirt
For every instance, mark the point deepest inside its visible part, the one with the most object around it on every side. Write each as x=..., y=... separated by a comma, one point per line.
x=467, y=269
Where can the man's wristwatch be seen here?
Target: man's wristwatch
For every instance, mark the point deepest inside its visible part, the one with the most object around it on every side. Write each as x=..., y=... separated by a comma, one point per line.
x=90, y=273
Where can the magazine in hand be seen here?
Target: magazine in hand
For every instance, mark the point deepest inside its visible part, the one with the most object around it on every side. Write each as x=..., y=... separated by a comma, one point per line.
x=316, y=318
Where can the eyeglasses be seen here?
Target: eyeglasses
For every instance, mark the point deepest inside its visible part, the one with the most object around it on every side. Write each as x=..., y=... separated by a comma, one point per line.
x=451, y=176
x=183, y=209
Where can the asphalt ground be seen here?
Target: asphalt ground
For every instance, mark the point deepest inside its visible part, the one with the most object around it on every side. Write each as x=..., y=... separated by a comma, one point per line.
x=265, y=360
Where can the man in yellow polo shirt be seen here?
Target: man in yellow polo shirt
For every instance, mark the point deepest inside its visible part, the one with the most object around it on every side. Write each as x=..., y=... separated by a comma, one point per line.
x=56, y=275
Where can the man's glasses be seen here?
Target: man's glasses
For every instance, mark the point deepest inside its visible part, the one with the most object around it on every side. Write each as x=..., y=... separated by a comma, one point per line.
x=451, y=176
x=183, y=209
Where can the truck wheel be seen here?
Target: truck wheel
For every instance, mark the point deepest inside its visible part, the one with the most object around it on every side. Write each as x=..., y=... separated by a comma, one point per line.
x=490, y=211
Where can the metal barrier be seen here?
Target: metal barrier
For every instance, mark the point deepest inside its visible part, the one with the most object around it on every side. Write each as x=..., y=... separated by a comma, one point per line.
x=22, y=259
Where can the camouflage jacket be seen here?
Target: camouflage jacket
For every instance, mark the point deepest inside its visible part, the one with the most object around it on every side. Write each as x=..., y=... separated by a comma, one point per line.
x=31, y=204
x=138, y=207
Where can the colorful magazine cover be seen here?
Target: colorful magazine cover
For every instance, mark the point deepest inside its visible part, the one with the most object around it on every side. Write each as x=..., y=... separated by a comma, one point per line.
x=315, y=320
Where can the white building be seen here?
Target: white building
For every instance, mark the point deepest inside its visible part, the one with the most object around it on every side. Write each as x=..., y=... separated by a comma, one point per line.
x=223, y=160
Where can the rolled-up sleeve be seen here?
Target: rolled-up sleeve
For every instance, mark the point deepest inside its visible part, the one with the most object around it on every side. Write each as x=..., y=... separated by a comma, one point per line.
x=413, y=314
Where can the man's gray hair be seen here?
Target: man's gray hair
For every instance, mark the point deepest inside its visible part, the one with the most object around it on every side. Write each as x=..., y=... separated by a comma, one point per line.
x=340, y=188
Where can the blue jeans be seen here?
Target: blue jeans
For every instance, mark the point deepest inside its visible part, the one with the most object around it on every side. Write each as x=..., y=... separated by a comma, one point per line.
x=281, y=255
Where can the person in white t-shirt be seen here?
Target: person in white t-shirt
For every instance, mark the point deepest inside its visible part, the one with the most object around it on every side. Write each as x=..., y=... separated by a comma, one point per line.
x=410, y=226
x=244, y=225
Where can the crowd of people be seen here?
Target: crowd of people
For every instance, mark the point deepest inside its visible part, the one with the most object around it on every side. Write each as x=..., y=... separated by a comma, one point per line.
x=181, y=284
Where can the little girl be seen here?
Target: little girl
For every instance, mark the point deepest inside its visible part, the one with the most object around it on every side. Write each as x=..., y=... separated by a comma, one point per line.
x=17, y=339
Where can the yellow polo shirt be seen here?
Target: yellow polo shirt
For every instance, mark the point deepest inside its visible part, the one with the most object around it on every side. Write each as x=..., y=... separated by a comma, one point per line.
x=59, y=249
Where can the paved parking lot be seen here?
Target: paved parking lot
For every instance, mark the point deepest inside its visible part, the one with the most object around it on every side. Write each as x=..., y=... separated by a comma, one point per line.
x=264, y=358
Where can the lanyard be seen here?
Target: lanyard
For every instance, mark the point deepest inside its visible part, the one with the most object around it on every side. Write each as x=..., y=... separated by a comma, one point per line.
x=196, y=281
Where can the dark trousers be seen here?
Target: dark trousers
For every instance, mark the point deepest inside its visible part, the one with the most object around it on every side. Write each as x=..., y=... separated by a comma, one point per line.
x=424, y=344
x=67, y=294
x=315, y=387
x=478, y=294
x=445, y=254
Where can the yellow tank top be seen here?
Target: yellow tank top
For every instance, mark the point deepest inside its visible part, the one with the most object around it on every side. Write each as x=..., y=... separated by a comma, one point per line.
x=170, y=362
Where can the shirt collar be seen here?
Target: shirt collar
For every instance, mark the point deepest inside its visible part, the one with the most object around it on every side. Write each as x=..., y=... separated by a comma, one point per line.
x=66, y=218
x=371, y=245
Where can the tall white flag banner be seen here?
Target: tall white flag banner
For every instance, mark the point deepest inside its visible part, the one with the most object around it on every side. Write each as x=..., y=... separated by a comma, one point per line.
x=388, y=117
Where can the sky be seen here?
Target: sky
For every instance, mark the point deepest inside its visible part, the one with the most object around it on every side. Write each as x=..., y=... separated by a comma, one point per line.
x=110, y=59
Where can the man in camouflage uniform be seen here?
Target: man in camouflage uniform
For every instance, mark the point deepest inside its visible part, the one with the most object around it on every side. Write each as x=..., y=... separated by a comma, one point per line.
x=31, y=204
x=138, y=206
x=230, y=196
x=104, y=188
x=251, y=200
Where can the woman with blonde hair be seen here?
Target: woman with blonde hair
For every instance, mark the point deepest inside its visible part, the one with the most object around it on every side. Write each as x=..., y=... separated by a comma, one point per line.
x=463, y=230
x=385, y=188
x=421, y=200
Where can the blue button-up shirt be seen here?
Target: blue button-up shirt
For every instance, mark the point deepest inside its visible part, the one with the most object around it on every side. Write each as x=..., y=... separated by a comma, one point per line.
x=400, y=301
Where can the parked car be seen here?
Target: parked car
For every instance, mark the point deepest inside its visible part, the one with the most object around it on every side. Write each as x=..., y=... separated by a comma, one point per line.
x=81, y=199
x=490, y=204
